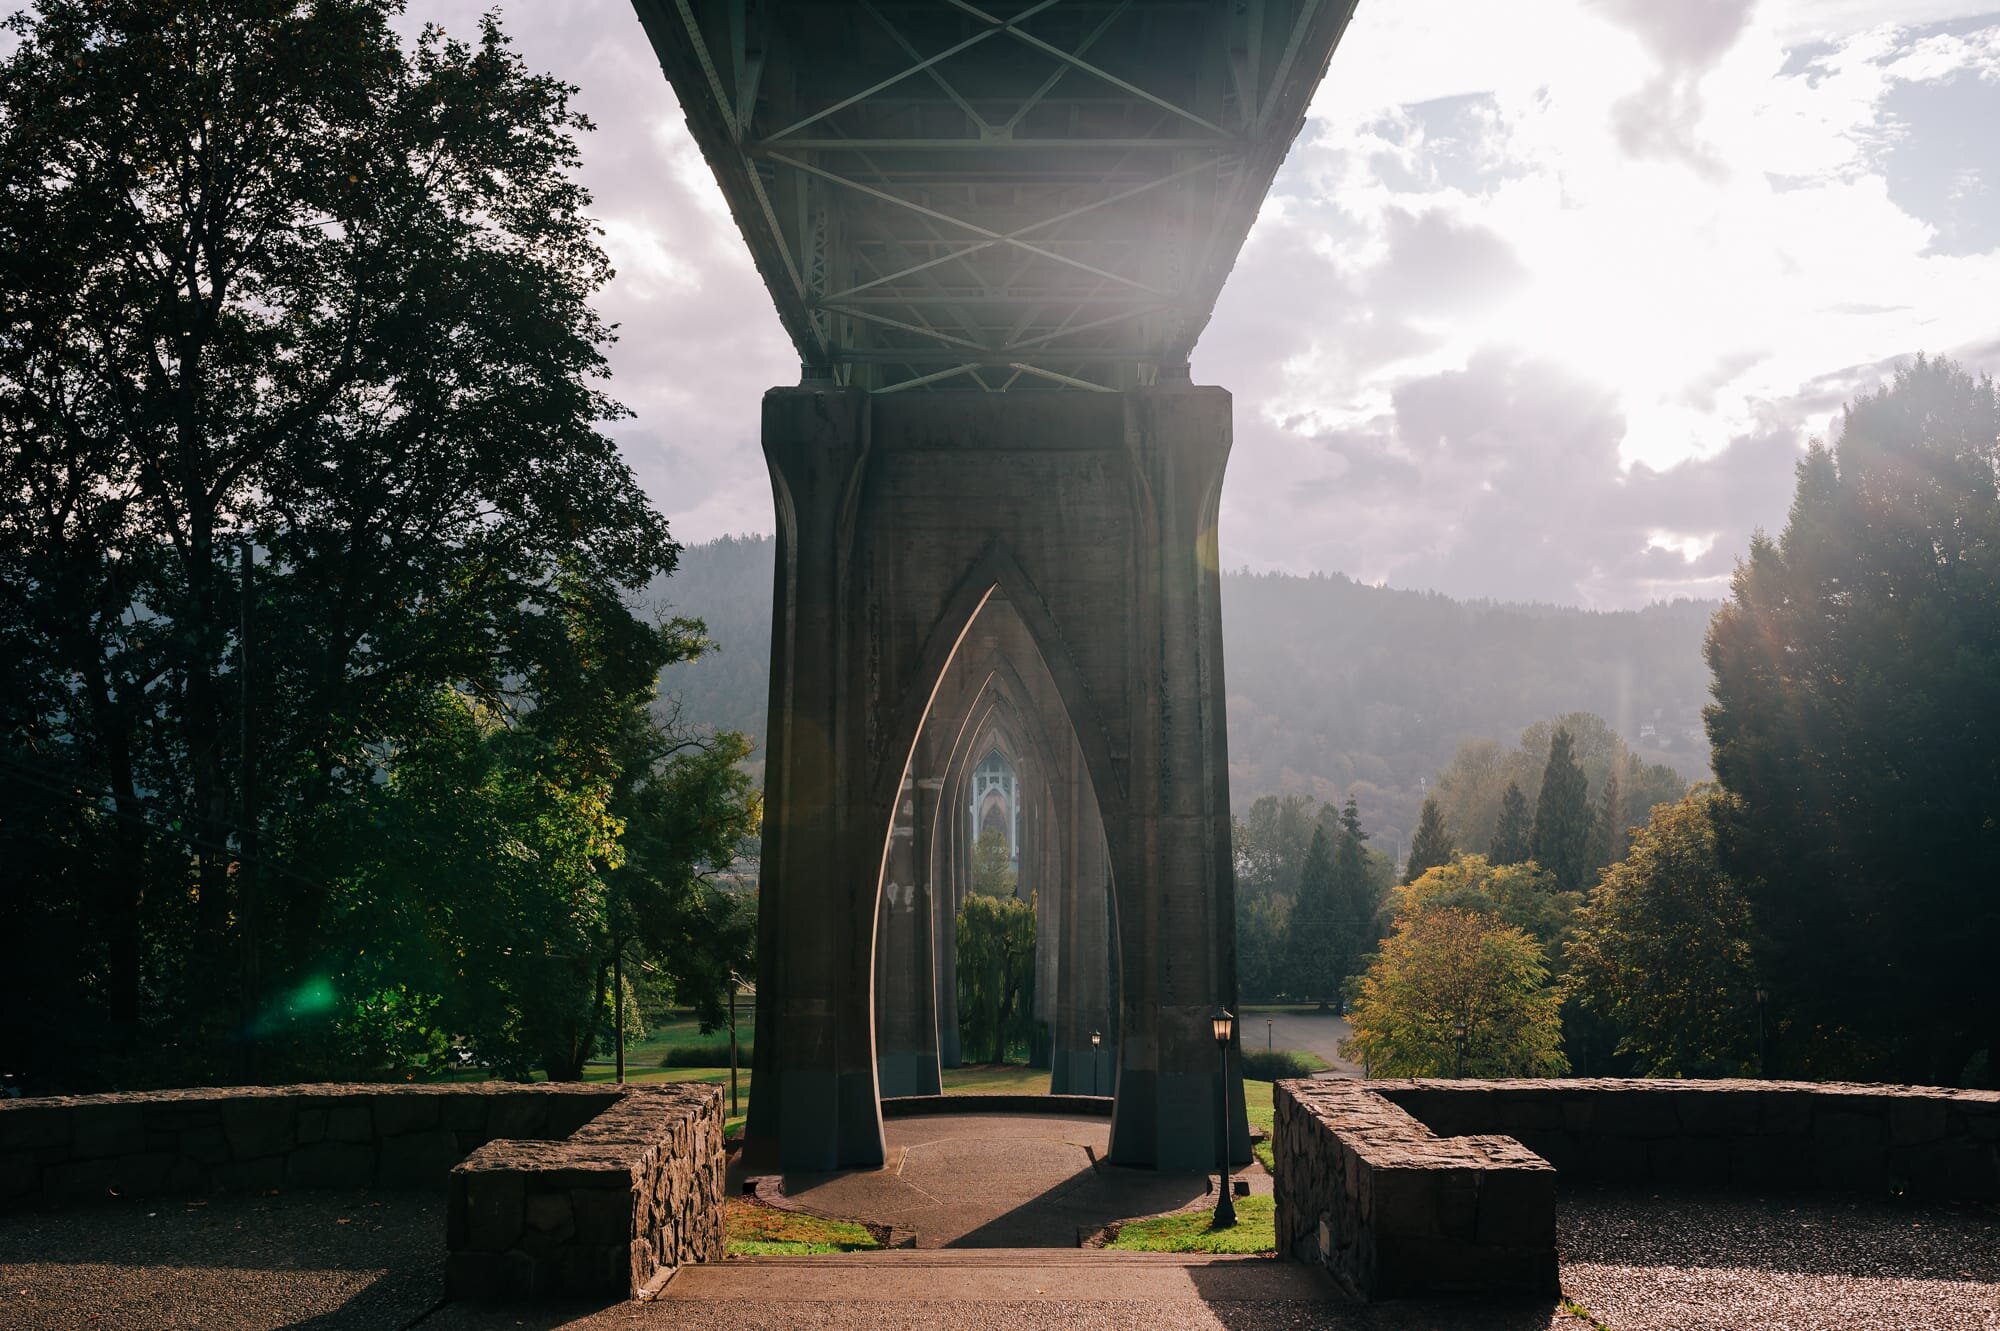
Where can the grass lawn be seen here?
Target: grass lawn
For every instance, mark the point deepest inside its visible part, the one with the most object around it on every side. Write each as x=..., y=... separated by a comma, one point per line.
x=1257, y=1109
x=996, y=1079
x=1255, y=1231
x=751, y=1230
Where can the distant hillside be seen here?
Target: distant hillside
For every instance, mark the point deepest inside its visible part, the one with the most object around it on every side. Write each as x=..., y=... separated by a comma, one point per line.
x=1334, y=687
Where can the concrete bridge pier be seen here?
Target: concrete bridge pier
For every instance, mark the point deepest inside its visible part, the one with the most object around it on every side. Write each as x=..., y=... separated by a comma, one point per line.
x=905, y=1009
x=898, y=516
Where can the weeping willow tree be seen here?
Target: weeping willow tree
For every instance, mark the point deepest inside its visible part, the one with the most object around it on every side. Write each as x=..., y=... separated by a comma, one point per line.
x=996, y=974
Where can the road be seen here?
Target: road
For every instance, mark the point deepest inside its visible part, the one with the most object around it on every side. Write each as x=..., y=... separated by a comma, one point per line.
x=1312, y=1032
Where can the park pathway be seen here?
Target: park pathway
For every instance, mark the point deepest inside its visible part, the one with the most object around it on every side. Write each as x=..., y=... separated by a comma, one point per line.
x=997, y=1181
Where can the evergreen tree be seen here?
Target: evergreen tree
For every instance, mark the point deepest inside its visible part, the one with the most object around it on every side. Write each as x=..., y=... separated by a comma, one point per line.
x=1431, y=846
x=1355, y=898
x=1316, y=966
x=1857, y=722
x=1609, y=835
x=1510, y=838
x=1560, y=842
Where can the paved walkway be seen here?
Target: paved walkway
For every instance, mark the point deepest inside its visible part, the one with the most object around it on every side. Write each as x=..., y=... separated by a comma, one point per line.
x=998, y=1181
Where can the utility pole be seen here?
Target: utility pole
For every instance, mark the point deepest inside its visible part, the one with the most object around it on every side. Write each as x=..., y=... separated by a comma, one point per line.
x=618, y=1007
x=246, y=826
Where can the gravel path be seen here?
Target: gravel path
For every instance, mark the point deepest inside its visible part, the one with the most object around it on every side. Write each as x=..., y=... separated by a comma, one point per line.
x=1680, y=1261
x=319, y=1260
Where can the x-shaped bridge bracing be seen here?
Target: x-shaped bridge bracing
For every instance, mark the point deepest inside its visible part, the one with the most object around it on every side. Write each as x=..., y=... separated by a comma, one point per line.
x=998, y=195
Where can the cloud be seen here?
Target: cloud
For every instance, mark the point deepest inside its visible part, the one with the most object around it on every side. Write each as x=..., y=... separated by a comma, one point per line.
x=1543, y=304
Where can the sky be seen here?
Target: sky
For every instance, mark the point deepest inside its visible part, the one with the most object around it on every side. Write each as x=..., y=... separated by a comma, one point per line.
x=1544, y=304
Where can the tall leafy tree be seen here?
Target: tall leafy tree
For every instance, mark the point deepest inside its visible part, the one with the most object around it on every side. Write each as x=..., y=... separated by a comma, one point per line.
x=1662, y=950
x=1313, y=937
x=1431, y=846
x=1560, y=841
x=1511, y=838
x=993, y=865
x=1856, y=722
x=300, y=378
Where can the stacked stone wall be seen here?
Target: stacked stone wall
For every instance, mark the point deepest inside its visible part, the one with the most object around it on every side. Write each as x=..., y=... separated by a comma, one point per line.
x=1391, y=1208
x=1918, y=1141
x=60, y=1149
x=632, y=1195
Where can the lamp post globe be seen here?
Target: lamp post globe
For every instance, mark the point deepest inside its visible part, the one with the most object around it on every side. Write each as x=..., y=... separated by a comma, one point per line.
x=1096, y=1038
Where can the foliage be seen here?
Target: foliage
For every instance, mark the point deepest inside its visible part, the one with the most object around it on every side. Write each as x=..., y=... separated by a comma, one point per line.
x=1277, y=1064
x=1255, y=1230
x=1523, y=895
x=1313, y=936
x=996, y=975
x=1456, y=992
x=1513, y=827
x=1472, y=787
x=993, y=865
x=320, y=675
x=1609, y=835
x=1272, y=846
x=1560, y=841
x=1431, y=846
x=1662, y=950
x=1856, y=723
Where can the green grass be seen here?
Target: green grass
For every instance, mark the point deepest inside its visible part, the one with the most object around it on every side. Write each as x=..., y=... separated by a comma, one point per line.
x=751, y=1230
x=996, y=1079
x=1258, y=1110
x=1255, y=1231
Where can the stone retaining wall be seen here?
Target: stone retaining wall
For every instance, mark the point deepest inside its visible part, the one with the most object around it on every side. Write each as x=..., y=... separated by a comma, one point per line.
x=634, y=1193
x=1408, y=1186
x=1919, y=1141
x=1391, y=1208
x=61, y=1149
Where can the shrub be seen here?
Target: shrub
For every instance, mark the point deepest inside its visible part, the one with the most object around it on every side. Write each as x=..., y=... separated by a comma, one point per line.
x=1277, y=1064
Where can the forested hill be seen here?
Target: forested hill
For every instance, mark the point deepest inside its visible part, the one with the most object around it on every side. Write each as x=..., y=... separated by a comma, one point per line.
x=1334, y=686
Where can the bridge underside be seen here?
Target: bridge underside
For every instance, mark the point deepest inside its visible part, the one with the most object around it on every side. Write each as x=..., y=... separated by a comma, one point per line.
x=1002, y=195
x=993, y=230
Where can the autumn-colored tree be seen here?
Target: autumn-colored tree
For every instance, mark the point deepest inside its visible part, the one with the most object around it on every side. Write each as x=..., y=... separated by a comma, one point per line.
x=1457, y=993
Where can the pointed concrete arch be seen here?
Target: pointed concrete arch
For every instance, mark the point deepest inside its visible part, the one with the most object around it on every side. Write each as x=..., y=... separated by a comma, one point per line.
x=1095, y=514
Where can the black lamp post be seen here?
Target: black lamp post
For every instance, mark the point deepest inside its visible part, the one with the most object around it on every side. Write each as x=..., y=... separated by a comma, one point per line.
x=1225, y=1206
x=1096, y=1039
x=1461, y=1048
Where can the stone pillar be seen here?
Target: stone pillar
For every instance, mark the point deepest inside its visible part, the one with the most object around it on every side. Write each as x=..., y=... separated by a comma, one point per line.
x=897, y=518
x=905, y=1018
x=1084, y=957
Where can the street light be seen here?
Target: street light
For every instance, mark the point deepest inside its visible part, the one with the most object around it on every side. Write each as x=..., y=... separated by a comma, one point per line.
x=1096, y=1039
x=1225, y=1208
x=1267, y=1034
x=1461, y=1048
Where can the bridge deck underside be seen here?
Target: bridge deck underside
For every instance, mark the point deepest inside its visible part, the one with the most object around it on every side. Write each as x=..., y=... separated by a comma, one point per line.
x=942, y=194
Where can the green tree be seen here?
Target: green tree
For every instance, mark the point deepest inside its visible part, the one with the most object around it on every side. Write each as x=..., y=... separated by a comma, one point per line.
x=1856, y=722
x=1511, y=837
x=1356, y=896
x=1431, y=846
x=300, y=382
x=1523, y=895
x=1456, y=993
x=1609, y=834
x=993, y=865
x=1313, y=938
x=996, y=973
x=1662, y=950
x=1560, y=841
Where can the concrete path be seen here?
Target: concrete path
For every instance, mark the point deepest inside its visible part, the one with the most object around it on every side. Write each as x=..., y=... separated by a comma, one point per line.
x=997, y=1181
x=1313, y=1032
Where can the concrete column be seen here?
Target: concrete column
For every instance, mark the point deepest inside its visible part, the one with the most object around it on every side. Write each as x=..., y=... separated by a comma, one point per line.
x=1085, y=957
x=906, y=1058
x=897, y=518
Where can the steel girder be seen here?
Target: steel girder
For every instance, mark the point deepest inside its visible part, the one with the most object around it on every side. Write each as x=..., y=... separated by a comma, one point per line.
x=994, y=194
